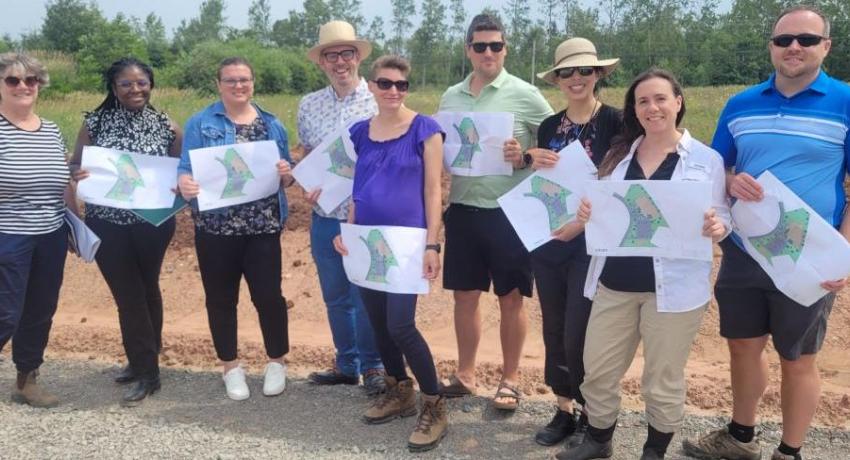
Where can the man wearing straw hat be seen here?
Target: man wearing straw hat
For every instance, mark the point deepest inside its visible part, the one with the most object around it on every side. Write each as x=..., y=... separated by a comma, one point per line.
x=321, y=114
x=481, y=245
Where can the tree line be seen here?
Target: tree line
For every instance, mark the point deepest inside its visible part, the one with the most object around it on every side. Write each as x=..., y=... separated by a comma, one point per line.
x=702, y=45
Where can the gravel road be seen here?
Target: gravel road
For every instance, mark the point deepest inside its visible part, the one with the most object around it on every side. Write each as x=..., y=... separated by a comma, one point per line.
x=192, y=419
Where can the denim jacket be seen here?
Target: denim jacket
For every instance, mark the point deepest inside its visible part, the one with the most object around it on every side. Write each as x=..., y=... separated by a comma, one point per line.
x=680, y=284
x=211, y=128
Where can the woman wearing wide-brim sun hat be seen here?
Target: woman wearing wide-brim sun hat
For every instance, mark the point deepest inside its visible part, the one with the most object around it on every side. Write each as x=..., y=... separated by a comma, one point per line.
x=336, y=33
x=560, y=266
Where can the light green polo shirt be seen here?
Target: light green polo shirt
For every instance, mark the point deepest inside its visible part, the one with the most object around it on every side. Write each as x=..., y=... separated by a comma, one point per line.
x=506, y=93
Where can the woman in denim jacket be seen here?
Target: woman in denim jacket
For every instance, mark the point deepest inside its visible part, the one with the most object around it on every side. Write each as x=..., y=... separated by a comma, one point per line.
x=244, y=239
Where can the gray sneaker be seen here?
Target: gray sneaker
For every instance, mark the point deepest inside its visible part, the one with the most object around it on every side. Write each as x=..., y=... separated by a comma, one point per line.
x=780, y=456
x=720, y=444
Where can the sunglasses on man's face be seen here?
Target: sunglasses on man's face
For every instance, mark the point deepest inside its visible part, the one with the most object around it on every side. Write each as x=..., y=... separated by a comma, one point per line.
x=385, y=83
x=804, y=40
x=567, y=72
x=31, y=81
x=333, y=56
x=480, y=47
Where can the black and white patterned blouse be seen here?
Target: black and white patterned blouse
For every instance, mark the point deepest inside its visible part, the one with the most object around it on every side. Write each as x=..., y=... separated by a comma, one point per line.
x=145, y=131
x=255, y=218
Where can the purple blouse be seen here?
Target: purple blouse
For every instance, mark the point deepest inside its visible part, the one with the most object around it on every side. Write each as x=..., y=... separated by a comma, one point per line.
x=389, y=176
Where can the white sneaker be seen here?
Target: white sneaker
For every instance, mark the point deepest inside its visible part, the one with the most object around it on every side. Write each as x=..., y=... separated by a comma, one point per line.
x=274, y=381
x=234, y=382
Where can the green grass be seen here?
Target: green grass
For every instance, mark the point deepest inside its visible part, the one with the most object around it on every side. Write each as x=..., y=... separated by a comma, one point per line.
x=703, y=107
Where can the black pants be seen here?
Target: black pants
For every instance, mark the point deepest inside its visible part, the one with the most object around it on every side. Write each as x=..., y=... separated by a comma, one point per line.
x=565, y=313
x=130, y=259
x=222, y=261
x=393, y=318
x=31, y=270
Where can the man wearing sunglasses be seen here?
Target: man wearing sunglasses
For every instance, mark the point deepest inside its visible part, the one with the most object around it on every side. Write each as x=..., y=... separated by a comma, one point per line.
x=481, y=245
x=345, y=100
x=794, y=125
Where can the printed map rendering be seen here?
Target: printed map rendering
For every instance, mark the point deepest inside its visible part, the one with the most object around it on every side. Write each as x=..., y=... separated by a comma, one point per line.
x=469, y=143
x=554, y=197
x=341, y=164
x=644, y=217
x=238, y=174
x=786, y=239
x=128, y=179
x=381, y=255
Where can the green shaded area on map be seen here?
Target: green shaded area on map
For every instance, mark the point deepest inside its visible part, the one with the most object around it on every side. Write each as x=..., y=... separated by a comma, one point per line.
x=238, y=173
x=786, y=239
x=554, y=197
x=128, y=179
x=644, y=218
x=341, y=164
x=469, y=143
x=381, y=255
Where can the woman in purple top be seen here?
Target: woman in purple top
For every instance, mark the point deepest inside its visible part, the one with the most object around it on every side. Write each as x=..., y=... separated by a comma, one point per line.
x=397, y=182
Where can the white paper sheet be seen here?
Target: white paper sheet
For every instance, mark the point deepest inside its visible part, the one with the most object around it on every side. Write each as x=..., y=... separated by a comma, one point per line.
x=794, y=245
x=549, y=198
x=330, y=167
x=82, y=240
x=127, y=180
x=656, y=218
x=235, y=174
x=474, y=142
x=385, y=258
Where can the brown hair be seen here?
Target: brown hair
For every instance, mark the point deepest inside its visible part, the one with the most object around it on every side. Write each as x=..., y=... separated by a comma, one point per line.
x=13, y=60
x=390, y=61
x=235, y=60
x=632, y=129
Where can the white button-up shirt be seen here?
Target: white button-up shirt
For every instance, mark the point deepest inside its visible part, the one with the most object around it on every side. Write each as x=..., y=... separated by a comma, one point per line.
x=680, y=284
x=323, y=112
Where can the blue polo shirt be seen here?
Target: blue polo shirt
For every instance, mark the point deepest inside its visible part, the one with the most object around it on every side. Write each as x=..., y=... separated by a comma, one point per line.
x=802, y=139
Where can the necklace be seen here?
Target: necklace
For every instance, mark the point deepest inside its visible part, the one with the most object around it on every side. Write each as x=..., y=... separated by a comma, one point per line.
x=579, y=128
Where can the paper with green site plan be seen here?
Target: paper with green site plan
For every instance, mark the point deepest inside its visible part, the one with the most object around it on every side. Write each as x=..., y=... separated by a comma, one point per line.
x=127, y=180
x=474, y=142
x=794, y=245
x=656, y=218
x=385, y=258
x=235, y=174
x=330, y=167
x=549, y=198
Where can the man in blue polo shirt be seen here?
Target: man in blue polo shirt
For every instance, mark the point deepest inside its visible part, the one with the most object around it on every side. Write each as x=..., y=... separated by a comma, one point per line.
x=796, y=126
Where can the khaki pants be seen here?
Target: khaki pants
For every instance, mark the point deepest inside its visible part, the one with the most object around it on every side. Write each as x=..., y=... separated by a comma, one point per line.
x=618, y=322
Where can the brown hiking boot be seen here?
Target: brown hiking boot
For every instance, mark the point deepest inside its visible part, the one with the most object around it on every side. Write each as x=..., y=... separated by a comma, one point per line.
x=27, y=391
x=720, y=444
x=432, y=425
x=398, y=401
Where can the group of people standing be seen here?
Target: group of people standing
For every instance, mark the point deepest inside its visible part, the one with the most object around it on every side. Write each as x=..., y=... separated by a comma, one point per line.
x=595, y=310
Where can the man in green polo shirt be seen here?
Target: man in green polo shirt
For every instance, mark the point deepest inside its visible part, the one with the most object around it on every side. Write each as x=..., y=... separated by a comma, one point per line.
x=481, y=245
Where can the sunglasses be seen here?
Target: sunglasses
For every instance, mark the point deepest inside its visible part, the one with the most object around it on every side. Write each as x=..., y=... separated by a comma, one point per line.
x=31, y=81
x=333, y=56
x=127, y=84
x=567, y=72
x=385, y=83
x=804, y=40
x=234, y=82
x=480, y=47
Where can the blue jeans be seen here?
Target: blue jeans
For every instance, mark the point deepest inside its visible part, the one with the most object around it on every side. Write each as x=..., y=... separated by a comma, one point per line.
x=31, y=269
x=356, y=351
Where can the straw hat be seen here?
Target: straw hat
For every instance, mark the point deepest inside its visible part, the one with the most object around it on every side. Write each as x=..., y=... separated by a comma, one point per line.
x=336, y=33
x=577, y=52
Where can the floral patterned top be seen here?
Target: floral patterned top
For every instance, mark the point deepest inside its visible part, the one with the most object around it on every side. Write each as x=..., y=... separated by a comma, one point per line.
x=145, y=131
x=255, y=218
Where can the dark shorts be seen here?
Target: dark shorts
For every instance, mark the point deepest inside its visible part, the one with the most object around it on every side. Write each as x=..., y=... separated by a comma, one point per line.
x=751, y=306
x=482, y=246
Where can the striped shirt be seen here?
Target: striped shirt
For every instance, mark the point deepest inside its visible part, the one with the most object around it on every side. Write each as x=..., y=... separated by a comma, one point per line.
x=33, y=177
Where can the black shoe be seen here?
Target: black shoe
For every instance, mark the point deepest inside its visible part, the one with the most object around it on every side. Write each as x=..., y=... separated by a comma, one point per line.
x=577, y=437
x=140, y=391
x=333, y=377
x=651, y=454
x=587, y=450
x=562, y=425
x=126, y=375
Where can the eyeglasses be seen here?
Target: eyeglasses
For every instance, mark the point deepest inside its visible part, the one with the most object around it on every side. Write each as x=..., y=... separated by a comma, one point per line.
x=30, y=81
x=567, y=72
x=804, y=40
x=127, y=84
x=333, y=56
x=385, y=83
x=480, y=47
x=233, y=82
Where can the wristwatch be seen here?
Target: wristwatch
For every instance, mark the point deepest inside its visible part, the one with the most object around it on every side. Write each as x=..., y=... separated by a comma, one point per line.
x=527, y=160
x=435, y=247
